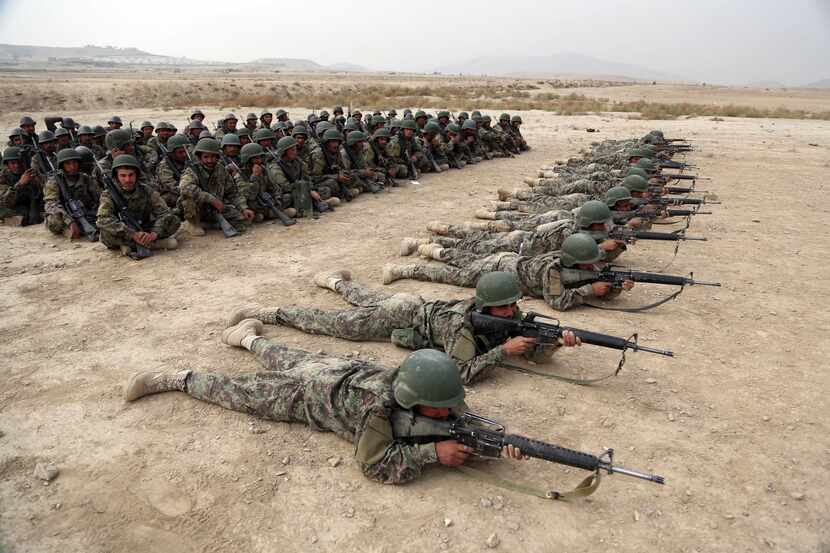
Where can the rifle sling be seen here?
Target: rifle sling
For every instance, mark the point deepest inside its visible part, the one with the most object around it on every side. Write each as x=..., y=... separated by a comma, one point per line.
x=569, y=380
x=638, y=309
x=585, y=488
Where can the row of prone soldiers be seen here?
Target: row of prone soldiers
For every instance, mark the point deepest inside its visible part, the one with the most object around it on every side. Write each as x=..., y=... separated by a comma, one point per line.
x=280, y=170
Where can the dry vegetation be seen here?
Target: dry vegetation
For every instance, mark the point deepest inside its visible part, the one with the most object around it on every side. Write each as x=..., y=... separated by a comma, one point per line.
x=372, y=92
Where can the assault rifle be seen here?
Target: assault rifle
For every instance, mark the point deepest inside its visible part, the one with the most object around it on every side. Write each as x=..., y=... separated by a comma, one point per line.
x=675, y=190
x=382, y=163
x=227, y=228
x=629, y=236
x=574, y=278
x=228, y=162
x=670, y=164
x=372, y=186
x=669, y=200
x=37, y=191
x=268, y=201
x=413, y=171
x=430, y=157
x=137, y=251
x=549, y=333
x=678, y=176
x=76, y=209
x=487, y=438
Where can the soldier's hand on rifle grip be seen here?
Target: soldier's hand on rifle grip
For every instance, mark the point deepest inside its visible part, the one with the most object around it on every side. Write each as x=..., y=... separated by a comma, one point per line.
x=26, y=177
x=601, y=288
x=518, y=345
x=452, y=453
x=513, y=452
x=569, y=339
x=608, y=245
x=635, y=222
x=628, y=284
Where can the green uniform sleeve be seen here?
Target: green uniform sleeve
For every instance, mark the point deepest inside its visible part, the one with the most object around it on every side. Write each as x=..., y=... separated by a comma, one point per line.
x=51, y=198
x=161, y=213
x=232, y=193
x=107, y=219
x=189, y=187
x=383, y=459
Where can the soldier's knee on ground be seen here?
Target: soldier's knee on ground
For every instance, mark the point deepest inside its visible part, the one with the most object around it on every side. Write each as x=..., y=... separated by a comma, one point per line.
x=112, y=241
x=55, y=224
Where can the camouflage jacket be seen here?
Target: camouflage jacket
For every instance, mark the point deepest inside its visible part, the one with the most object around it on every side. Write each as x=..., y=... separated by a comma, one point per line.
x=323, y=163
x=169, y=174
x=377, y=157
x=251, y=186
x=286, y=173
x=80, y=187
x=144, y=204
x=8, y=188
x=399, y=146
x=216, y=184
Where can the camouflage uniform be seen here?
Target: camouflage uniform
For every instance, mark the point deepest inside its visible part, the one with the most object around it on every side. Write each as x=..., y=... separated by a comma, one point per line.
x=79, y=187
x=292, y=179
x=594, y=187
x=538, y=276
x=399, y=148
x=167, y=183
x=324, y=169
x=543, y=239
x=143, y=178
x=194, y=201
x=41, y=169
x=251, y=186
x=349, y=397
x=541, y=203
x=357, y=163
x=378, y=159
x=145, y=205
x=409, y=320
x=26, y=201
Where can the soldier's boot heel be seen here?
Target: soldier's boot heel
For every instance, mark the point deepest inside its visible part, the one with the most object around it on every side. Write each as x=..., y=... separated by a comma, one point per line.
x=146, y=383
x=234, y=335
x=329, y=279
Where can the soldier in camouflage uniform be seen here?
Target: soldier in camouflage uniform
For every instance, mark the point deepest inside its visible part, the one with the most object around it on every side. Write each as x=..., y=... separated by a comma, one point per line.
x=227, y=126
x=470, y=140
x=434, y=147
x=164, y=131
x=46, y=162
x=147, y=128
x=173, y=164
x=194, y=129
x=354, y=399
x=245, y=136
x=21, y=196
x=120, y=142
x=458, y=154
x=515, y=125
x=290, y=174
x=251, y=122
x=593, y=218
x=490, y=139
x=405, y=149
x=63, y=139
x=378, y=159
x=253, y=180
x=411, y=322
x=206, y=189
x=79, y=186
x=114, y=123
x=539, y=276
x=145, y=205
x=329, y=170
x=355, y=160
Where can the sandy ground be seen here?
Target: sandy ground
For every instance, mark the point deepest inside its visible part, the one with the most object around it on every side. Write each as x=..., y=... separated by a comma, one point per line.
x=737, y=422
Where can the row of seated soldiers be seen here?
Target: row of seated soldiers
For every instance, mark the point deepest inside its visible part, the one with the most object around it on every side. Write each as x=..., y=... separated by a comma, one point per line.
x=280, y=169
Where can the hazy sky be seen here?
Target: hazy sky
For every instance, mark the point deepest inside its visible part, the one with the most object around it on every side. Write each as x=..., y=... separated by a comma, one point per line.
x=725, y=41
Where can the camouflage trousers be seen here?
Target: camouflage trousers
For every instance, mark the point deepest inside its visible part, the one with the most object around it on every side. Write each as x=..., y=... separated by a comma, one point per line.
x=204, y=215
x=560, y=187
x=374, y=317
x=532, y=222
x=57, y=223
x=539, y=203
x=463, y=268
x=480, y=242
x=296, y=386
x=169, y=224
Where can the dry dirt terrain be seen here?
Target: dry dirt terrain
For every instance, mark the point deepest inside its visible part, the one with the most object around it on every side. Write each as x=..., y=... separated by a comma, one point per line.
x=737, y=422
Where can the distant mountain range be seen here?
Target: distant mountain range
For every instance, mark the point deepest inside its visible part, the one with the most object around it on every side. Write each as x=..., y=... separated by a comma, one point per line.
x=109, y=55
x=824, y=83
x=565, y=64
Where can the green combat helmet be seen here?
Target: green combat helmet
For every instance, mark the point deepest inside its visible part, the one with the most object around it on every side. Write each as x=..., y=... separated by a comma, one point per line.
x=244, y=131
x=647, y=165
x=205, y=134
x=579, y=248
x=118, y=139
x=332, y=134
x=84, y=129
x=593, y=212
x=230, y=140
x=463, y=116
x=469, y=125
x=176, y=141
x=428, y=377
x=12, y=153
x=635, y=152
x=635, y=183
x=324, y=126
x=146, y=124
x=432, y=128
x=516, y=119
x=504, y=117
x=250, y=151
x=67, y=154
x=443, y=114
x=47, y=136
x=453, y=128
x=124, y=160
x=285, y=144
x=475, y=114
x=616, y=195
x=264, y=134
x=636, y=171
x=86, y=154
x=649, y=151
x=355, y=137
x=299, y=130
x=497, y=288
x=207, y=146
x=409, y=124
x=382, y=133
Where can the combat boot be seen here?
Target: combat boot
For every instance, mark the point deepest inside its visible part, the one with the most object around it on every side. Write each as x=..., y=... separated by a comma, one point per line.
x=146, y=383
x=485, y=214
x=431, y=251
x=438, y=227
x=489, y=226
x=332, y=202
x=233, y=335
x=504, y=195
x=290, y=212
x=165, y=244
x=391, y=272
x=241, y=313
x=330, y=279
x=522, y=194
x=502, y=206
x=409, y=245
x=189, y=228
x=531, y=181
